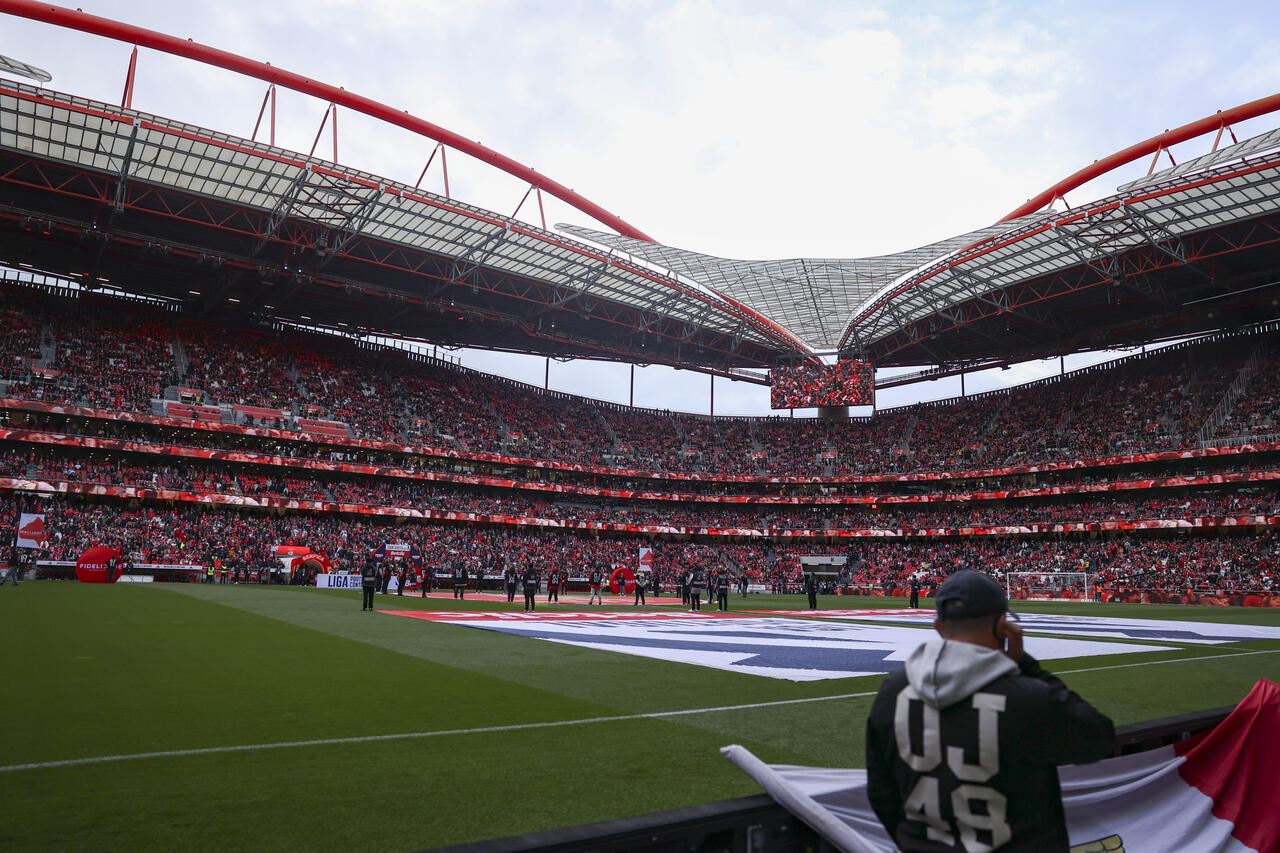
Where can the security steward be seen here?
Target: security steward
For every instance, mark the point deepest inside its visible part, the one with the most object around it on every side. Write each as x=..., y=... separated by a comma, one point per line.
x=811, y=589
x=531, y=580
x=697, y=580
x=642, y=580
x=369, y=582
x=915, y=592
x=722, y=592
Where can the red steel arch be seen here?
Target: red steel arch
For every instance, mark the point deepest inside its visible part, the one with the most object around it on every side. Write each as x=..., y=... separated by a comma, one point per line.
x=1160, y=142
x=74, y=19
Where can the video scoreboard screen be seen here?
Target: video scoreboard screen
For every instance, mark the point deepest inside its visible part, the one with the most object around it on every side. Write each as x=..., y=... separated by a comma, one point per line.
x=845, y=383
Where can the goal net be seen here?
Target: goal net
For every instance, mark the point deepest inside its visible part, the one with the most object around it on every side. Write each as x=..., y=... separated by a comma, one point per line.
x=1049, y=585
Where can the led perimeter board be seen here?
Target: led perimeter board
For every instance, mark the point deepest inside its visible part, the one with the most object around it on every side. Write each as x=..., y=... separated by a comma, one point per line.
x=845, y=383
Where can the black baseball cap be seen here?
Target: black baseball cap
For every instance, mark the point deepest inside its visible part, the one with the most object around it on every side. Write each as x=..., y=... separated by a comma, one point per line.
x=979, y=594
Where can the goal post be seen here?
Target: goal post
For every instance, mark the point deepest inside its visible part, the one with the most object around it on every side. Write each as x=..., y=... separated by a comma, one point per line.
x=1049, y=585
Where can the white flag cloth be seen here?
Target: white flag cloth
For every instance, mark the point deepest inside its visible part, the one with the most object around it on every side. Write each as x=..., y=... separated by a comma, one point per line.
x=1218, y=792
x=31, y=533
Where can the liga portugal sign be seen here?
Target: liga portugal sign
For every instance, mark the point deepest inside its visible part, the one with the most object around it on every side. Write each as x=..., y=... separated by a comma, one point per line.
x=99, y=564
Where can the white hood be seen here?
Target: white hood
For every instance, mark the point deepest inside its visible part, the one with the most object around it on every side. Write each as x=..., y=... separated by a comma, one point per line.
x=944, y=672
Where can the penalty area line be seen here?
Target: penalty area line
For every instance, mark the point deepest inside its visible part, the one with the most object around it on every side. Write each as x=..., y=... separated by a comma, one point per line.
x=518, y=727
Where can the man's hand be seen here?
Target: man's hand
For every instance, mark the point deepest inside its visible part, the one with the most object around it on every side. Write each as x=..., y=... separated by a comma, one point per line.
x=1010, y=635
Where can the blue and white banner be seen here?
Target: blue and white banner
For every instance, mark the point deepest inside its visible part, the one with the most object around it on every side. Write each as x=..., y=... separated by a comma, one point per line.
x=1155, y=630
x=792, y=649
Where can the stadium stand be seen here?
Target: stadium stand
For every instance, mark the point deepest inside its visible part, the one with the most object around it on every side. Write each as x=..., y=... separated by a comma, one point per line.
x=283, y=416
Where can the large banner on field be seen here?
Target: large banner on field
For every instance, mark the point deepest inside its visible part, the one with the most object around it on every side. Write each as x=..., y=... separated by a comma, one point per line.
x=790, y=649
x=645, y=561
x=31, y=532
x=1214, y=793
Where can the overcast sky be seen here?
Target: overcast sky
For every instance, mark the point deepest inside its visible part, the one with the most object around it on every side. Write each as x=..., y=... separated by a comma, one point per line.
x=747, y=130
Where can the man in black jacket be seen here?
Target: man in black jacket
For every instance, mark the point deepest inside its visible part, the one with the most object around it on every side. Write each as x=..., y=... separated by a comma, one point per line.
x=531, y=580
x=459, y=579
x=368, y=582
x=963, y=745
x=811, y=589
x=512, y=579
x=697, y=580
x=722, y=592
x=595, y=580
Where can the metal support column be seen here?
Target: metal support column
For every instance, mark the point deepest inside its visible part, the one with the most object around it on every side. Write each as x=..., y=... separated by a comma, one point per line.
x=126, y=100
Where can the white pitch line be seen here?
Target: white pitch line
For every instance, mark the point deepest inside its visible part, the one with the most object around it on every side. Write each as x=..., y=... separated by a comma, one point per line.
x=654, y=715
x=253, y=747
x=1158, y=662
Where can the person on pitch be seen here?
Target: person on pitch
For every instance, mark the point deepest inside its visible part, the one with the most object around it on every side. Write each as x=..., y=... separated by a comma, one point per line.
x=512, y=580
x=531, y=579
x=963, y=745
x=386, y=579
x=722, y=592
x=811, y=589
x=553, y=586
x=15, y=558
x=642, y=580
x=368, y=582
x=595, y=580
x=459, y=579
x=915, y=592
x=697, y=579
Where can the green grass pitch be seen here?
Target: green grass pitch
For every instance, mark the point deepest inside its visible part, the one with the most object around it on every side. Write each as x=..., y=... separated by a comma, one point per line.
x=91, y=671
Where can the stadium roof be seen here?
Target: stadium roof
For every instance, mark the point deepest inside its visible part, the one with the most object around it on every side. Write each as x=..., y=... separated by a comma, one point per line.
x=811, y=297
x=935, y=304
x=333, y=212
x=176, y=210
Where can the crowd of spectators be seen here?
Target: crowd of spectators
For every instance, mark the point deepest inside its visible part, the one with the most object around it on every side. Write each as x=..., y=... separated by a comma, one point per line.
x=238, y=366
x=1258, y=412
x=165, y=535
x=116, y=354
x=845, y=383
x=43, y=462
